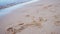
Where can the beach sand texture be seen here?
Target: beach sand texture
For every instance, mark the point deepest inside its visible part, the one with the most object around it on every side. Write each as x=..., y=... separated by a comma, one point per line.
x=41, y=17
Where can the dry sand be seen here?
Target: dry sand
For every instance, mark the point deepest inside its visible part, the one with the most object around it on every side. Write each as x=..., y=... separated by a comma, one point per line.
x=41, y=17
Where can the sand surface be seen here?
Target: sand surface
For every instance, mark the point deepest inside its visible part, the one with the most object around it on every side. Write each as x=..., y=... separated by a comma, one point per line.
x=41, y=17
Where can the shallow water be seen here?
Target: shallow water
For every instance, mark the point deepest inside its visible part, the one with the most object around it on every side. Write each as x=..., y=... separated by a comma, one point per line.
x=9, y=9
x=5, y=2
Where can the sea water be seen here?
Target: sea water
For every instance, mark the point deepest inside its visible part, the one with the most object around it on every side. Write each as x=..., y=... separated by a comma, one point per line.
x=3, y=12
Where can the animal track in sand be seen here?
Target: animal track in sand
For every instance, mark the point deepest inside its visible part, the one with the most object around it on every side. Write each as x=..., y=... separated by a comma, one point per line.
x=22, y=26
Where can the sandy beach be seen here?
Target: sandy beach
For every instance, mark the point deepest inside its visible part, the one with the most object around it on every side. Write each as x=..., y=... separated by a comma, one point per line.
x=41, y=17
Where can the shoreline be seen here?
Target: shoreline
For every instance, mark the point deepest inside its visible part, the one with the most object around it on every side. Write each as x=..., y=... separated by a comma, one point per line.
x=8, y=10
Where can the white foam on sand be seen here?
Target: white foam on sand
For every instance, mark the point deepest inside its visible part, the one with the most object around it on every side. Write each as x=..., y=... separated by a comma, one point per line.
x=8, y=10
